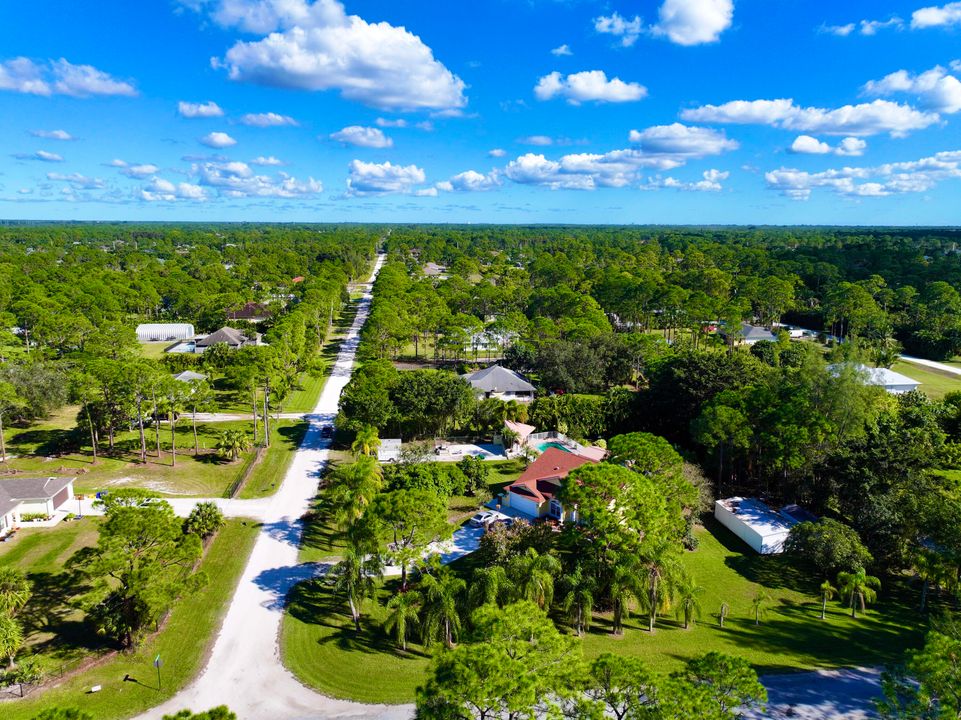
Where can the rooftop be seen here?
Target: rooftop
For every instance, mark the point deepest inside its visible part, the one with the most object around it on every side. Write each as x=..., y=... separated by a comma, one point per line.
x=757, y=516
x=552, y=464
x=20, y=489
x=498, y=379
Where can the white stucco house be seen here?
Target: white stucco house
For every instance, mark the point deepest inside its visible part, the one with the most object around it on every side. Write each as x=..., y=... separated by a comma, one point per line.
x=31, y=496
x=534, y=493
x=499, y=382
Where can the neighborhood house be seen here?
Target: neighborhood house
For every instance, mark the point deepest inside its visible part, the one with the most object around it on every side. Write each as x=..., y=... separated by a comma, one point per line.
x=31, y=496
x=892, y=382
x=534, y=493
x=499, y=382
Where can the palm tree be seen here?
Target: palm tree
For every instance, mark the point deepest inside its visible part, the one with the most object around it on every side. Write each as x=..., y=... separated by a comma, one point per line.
x=930, y=570
x=15, y=590
x=231, y=443
x=860, y=587
x=441, y=617
x=689, y=602
x=353, y=576
x=366, y=441
x=626, y=585
x=663, y=573
x=759, y=605
x=11, y=638
x=578, y=600
x=353, y=488
x=533, y=576
x=828, y=591
x=404, y=608
x=489, y=586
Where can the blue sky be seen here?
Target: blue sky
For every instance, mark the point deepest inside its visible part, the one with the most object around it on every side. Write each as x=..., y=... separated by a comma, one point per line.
x=648, y=111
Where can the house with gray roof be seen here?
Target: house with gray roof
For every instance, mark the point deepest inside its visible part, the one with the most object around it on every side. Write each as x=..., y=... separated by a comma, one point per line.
x=499, y=382
x=189, y=376
x=31, y=496
x=749, y=334
x=231, y=337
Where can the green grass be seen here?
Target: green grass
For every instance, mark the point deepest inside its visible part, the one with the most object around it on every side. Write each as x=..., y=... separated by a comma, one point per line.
x=304, y=398
x=285, y=438
x=183, y=643
x=320, y=646
x=154, y=350
x=934, y=384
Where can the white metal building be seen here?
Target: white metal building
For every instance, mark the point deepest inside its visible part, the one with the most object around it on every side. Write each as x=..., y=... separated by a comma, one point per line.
x=755, y=523
x=164, y=332
x=893, y=382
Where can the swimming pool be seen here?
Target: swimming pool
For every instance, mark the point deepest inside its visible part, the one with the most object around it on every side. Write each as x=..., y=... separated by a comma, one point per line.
x=542, y=446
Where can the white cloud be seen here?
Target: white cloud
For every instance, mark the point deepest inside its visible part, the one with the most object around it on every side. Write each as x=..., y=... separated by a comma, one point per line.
x=398, y=123
x=839, y=30
x=851, y=147
x=199, y=110
x=59, y=77
x=588, y=86
x=368, y=179
x=362, y=137
x=694, y=22
x=160, y=190
x=856, y=120
x=710, y=182
x=880, y=181
x=41, y=155
x=807, y=145
x=871, y=27
x=471, y=181
x=935, y=88
x=52, y=134
x=217, y=140
x=140, y=171
x=497, y=153
x=236, y=179
x=77, y=180
x=318, y=46
x=539, y=140
x=269, y=119
x=562, y=50
x=266, y=161
x=935, y=16
x=627, y=30
x=682, y=140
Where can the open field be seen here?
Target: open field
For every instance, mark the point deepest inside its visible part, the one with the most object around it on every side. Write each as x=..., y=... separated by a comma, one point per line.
x=181, y=643
x=934, y=384
x=320, y=646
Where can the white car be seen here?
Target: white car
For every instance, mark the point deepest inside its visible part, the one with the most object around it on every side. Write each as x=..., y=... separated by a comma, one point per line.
x=483, y=518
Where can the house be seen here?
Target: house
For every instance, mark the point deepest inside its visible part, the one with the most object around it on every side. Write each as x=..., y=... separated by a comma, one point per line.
x=164, y=332
x=31, y=496
x=189, y=376
x=231, y=337
x=756, y=524
x=432, y=269
x=534, y=493
x=750, y=334
x=892, y=382
x=499, y=382
x=252, y=312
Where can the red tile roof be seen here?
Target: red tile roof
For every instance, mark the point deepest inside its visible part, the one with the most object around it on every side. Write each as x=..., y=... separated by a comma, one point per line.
x=552, y=464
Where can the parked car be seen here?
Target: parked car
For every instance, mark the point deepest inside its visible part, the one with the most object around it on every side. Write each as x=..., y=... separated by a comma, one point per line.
x=482, y=518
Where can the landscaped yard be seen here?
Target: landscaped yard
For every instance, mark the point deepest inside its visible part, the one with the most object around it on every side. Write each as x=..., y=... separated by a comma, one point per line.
x=320, y=646
x=934, y=384
x=181, y=643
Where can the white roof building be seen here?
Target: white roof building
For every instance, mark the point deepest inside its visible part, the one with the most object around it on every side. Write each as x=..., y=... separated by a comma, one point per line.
x=755, y=523
x=389, y=450
x=894, y=383
x=164, y=332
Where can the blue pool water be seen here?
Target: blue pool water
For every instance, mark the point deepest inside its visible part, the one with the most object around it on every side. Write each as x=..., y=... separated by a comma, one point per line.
x=551, y=444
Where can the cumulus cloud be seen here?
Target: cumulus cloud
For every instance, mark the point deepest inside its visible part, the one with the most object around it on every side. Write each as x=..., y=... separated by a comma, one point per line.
x=217, y=140
x=77, y=180
x=160, y=190
x=137, y=170
x=383, y=122
x=370, y=179
x=864, y=27
x=618, y=26
x=269, y=119
x=318, y=46
x=682, y=140
x=936, y=16
x=41, y=155
x=52, y=134
x=268, y=161
x=234, y=179
x=880, y=181
x=694, y=22
x=59, y=77
x=807, y=145
x=562, y=50
x=497, y=153
x=934, y=88
x=199, y=110
x=864, y=119
x=539, y=140
x=588, y=86
x=362, y=137
x=471, y=181
x=710, y=182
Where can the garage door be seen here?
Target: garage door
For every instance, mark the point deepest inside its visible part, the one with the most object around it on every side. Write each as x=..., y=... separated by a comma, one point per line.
x=61, y=497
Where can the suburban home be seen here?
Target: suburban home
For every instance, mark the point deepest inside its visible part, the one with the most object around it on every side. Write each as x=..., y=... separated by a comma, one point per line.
x=892, y=382
x=189, y=376
x=31, y=496
x=252, y=312
x=432, y=269
x=231, y=337
x=499, y=382
x=164, y=332
x=758, y=525
x=750, y=334
x=534, y=493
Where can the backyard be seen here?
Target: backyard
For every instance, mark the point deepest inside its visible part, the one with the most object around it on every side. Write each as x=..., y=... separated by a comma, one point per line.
x=934, y=383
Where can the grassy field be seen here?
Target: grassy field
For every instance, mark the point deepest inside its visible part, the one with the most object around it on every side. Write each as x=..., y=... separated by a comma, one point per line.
x=320, y=646
x=934, y=384
x=182, y=642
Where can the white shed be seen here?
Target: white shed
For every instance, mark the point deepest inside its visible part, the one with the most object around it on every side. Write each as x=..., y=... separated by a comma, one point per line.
x=755, y=523
x=164, y=332
x=389, y=450
x=893, y=382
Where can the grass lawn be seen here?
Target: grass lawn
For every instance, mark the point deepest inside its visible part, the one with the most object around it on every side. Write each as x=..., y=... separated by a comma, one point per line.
x=285, y=438
x=182, y=643
x=934, y=384
x=320, y=646
x=154, y=350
